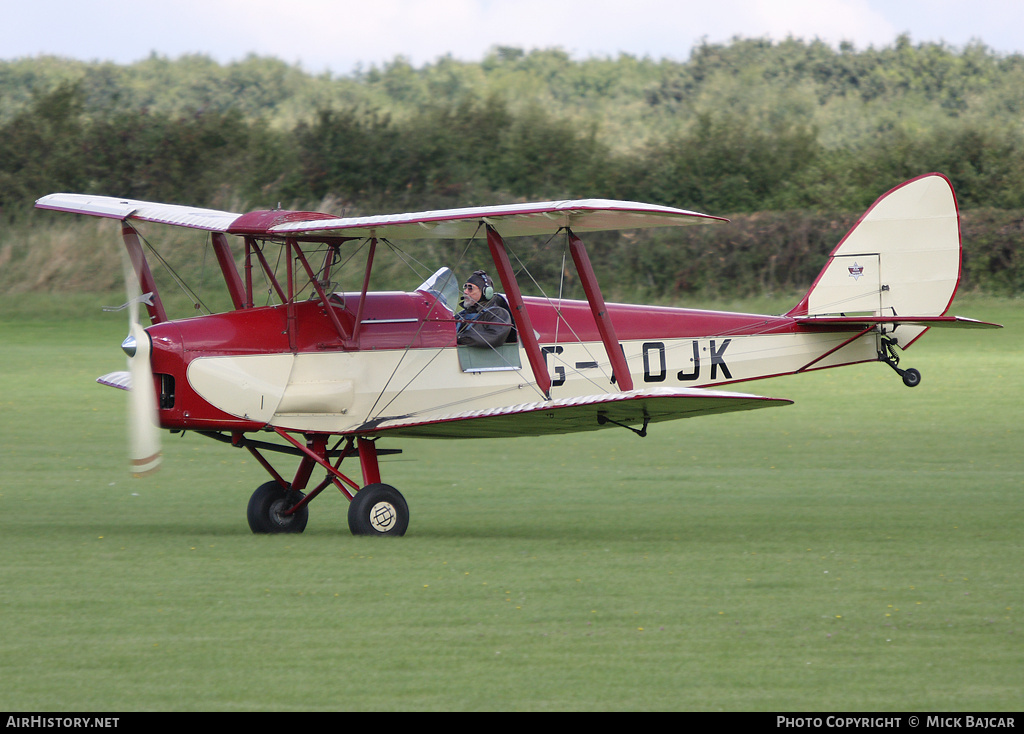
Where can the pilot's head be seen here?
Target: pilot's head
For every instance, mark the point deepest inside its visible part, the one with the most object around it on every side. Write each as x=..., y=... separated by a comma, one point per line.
x=478, y=287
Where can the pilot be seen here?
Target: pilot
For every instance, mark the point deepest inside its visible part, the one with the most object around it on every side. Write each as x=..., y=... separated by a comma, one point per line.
x=484, y=320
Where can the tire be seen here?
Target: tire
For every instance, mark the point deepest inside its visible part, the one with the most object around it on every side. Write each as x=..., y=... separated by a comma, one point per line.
x=378, y=510
x=268, y=503
x=912, y=378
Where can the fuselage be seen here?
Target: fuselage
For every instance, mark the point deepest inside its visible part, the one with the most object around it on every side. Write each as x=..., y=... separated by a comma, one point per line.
x=287, y=366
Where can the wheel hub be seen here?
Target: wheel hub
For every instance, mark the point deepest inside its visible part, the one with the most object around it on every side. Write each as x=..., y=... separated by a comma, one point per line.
x=383, y=516
x=277, y=510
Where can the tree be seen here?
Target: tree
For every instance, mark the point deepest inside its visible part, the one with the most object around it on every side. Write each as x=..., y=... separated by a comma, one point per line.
x=41, y=148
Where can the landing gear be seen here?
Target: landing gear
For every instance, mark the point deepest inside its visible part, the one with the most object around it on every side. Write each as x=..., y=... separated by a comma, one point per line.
x=378, y=510
x=280, y=506
x=911, y=377
x=269, y=506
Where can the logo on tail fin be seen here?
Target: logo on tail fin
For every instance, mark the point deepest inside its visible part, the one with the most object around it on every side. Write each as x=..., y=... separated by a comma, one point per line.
x=856, y=271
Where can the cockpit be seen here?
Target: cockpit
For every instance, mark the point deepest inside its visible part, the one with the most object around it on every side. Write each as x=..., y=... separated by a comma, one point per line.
x=444, y=287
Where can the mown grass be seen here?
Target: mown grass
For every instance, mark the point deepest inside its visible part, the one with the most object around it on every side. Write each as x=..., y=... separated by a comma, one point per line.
x=858, y=550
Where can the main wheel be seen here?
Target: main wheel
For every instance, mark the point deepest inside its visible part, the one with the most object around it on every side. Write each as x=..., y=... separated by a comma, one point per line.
x=912, y=378
x=267, y=507
x=378, y=509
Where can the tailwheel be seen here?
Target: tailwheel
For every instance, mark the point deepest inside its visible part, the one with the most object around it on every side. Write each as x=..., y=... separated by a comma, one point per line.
x=378, y=510
x=268, y=508
x=911, y=377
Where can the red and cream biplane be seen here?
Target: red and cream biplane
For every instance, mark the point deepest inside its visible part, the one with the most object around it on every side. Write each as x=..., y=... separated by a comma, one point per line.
x=332, y=374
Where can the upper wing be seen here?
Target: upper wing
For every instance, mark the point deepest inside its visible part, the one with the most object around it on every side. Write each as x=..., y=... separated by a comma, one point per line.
x=569, y=415
x=145, y=211
x=513, y=220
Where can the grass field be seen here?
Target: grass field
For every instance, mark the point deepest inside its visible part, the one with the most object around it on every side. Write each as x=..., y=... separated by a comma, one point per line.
x=860, y=550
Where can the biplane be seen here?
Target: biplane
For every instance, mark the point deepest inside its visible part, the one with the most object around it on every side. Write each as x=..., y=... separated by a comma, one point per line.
x=326, y=376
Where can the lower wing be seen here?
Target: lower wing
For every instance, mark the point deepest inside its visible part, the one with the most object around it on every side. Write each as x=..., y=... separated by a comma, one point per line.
x=569, y=415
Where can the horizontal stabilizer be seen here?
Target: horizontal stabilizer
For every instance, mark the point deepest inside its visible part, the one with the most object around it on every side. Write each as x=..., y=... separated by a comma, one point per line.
x=121, y=380
x=955, y=322
x=634, y=408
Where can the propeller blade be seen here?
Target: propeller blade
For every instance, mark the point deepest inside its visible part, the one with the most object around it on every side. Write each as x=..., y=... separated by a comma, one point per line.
x=143, y=430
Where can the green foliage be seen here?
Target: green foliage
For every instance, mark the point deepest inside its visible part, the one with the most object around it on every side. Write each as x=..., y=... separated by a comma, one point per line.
x=151, y=156
x=40, y=148
x=739, y=129
x=727, y=164
x=348, y=153
x=444, y=156
x=54, y=145
x=994, y=261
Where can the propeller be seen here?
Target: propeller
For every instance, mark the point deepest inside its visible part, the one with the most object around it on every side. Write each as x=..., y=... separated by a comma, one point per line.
x=143, y=430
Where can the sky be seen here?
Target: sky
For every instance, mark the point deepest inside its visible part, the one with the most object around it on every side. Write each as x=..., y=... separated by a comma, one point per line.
x=341, y=36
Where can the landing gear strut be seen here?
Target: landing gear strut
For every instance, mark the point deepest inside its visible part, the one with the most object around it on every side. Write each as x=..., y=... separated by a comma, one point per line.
x=911, y=377
x=280, y=506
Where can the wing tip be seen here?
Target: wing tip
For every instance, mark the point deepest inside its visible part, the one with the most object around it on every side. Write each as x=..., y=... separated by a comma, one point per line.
x=122, y=380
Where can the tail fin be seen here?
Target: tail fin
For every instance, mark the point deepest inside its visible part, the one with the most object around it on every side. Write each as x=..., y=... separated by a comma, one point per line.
x=901, y=259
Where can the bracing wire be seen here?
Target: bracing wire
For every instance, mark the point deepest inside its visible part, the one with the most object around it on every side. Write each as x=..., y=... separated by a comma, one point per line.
x=197, y=302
